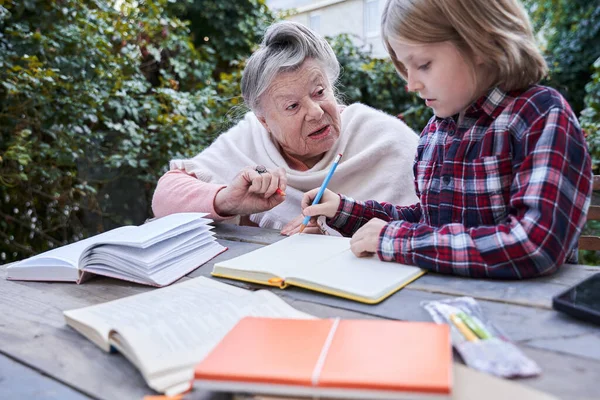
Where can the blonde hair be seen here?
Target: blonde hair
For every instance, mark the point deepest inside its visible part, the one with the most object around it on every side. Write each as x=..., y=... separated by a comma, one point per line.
x=498, y=31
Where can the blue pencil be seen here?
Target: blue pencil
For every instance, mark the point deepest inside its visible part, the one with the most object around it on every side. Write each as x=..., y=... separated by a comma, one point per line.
x=322, y=189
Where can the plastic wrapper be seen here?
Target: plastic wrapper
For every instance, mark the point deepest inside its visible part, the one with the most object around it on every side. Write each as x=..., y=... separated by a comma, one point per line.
x=479, y=342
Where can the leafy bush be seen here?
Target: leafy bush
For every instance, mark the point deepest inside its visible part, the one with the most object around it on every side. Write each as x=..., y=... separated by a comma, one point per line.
x=93, y=104
x=245, y=22
x=590, y=116
x=569, y=30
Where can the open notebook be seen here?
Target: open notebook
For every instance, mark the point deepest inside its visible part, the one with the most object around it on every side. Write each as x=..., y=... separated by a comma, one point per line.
x=166, y=332
x=344, y=359
x=321, y=263
x=156, y=253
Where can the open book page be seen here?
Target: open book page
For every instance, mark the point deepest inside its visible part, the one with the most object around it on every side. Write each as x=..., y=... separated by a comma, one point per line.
x=163, y=228
x=160, y=275
x=61, y=264
x=149, y=246
x=159, y=252
x=169, y=330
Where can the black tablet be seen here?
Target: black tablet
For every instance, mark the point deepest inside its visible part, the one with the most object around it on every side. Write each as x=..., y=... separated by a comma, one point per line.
x=582, y=300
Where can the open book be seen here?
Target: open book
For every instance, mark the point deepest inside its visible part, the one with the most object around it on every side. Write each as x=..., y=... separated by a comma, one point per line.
x=344, y=359
x=156, y=253
x=167, y=331
x=321, y=263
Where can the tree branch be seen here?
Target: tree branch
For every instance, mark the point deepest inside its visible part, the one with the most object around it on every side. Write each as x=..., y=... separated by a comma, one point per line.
x=24, y=225
x=17, y=245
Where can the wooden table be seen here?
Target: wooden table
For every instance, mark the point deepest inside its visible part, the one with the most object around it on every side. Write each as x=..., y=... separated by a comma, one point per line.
x=42, y=358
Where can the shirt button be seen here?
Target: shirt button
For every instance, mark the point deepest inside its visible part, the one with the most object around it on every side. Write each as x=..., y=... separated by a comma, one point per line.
x=446, y=179
x=451, y=132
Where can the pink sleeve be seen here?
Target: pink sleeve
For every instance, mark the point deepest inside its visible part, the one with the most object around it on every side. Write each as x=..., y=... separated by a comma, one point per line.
x=177, y=191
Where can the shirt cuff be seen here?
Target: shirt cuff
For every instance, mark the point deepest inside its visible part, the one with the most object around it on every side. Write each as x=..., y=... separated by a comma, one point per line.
x=394, y=243
x=343, y=212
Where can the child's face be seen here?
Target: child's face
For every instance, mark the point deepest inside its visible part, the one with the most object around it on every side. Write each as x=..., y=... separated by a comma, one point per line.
x=440, y=75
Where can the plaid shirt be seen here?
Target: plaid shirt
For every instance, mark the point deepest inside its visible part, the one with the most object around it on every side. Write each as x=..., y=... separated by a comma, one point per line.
x=502, y=195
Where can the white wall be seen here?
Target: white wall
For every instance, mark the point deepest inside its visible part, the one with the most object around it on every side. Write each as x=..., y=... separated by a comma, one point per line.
x=339, y=16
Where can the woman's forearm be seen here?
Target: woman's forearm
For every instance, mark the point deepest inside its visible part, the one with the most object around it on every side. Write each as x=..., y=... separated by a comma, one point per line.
x=178, y=192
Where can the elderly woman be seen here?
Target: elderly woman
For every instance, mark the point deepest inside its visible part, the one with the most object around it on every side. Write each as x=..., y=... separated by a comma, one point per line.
x=261, y=167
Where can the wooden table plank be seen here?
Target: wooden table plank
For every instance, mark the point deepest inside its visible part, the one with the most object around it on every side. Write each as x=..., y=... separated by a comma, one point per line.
x=247, y=234
x=33, y=332
x=527, y=326
x=234, y=249
x=20, y=382
x=531, y=292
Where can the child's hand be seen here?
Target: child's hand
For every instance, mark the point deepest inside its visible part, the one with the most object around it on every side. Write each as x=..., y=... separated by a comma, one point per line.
x=327, y=206
x=293, y=227
x=366, y=239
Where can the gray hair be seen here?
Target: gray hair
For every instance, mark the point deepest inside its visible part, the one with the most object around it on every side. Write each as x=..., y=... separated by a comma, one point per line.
x=284, y=48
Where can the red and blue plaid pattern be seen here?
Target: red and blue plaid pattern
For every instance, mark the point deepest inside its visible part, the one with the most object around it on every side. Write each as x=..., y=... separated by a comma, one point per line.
x=502, y=195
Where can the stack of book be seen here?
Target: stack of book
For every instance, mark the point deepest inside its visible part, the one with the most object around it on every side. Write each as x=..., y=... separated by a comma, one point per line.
x=156, y=253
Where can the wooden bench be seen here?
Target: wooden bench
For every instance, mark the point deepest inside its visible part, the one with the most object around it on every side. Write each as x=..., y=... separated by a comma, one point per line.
x=589, y=242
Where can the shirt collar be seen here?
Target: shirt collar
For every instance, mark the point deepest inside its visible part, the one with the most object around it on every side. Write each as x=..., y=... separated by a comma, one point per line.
x=492, y=103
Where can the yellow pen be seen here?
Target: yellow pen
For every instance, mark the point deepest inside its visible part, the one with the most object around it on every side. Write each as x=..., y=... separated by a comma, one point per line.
x=474, y=325
x=467, y=333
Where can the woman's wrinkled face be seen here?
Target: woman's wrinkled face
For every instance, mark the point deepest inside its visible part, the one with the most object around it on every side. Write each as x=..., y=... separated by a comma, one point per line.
x=300, y=111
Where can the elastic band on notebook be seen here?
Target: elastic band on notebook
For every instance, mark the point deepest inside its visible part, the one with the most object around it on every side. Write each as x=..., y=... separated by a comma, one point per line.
x=321, y=361
x=277, y=281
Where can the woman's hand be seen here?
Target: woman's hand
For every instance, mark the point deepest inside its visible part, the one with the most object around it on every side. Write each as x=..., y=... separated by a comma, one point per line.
x=252, y=192
x=328, y=205
x=365, y=241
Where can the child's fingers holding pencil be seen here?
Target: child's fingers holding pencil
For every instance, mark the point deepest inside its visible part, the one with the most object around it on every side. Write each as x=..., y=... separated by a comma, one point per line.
x=328, y=205
x=308, y=198
x=312, y=227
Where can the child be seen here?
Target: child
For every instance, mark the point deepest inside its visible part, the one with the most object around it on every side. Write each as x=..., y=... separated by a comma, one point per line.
x=502, y=169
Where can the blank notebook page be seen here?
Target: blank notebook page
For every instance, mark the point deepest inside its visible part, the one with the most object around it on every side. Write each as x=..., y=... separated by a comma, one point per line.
x=365, y=276
x=288, y=255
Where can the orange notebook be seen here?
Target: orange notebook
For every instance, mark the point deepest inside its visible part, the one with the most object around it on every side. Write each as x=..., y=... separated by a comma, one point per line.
x=360, y=359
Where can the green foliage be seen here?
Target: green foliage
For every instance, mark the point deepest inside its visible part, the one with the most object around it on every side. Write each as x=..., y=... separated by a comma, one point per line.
x=93, y=104
x=244, y=21
x=590, y=116
x=590, y=122
x=374, y=82
x=570, y=30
